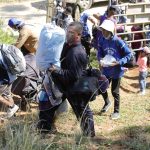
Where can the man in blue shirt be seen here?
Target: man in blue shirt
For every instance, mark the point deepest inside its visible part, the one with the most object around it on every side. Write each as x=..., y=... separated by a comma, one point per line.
x=86, y=37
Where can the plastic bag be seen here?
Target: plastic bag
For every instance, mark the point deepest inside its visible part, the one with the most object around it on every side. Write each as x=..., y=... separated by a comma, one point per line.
x=50, y=46
x=107, y=61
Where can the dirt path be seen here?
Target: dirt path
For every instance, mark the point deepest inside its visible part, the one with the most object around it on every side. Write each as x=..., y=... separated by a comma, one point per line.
x=31, y=11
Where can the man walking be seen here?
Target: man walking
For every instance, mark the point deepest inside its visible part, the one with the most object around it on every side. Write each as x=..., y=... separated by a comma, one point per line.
x=73, y=62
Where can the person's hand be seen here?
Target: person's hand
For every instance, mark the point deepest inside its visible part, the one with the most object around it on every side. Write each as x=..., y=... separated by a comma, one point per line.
x=114, y=63
x=52, y=68
x=100, y=64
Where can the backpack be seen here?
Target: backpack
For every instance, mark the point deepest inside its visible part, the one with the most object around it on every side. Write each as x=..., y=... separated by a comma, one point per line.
x=13, y=59
x=132, y=62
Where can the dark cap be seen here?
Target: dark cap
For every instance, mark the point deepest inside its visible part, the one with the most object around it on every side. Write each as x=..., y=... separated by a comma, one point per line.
x=68, y=10
x=15, y=22
x=114, y=7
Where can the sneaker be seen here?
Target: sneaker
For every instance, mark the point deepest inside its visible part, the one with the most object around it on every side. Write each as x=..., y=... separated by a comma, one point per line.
x=106, y=107
x=142, y=93
x=115, y=116
x=12, y=110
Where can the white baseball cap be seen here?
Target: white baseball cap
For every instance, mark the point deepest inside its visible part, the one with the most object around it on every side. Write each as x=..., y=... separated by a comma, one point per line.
x=146, y=50
x=108, y=25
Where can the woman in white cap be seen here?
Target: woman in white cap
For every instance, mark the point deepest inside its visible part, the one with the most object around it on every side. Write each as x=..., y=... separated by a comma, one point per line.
x=109, y=14
x=112, y=54
x=143, y=62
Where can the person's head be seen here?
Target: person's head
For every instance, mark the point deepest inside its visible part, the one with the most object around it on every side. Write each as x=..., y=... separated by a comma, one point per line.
x=144, y=51
x=74, y=32
x=67, y=12
x=107, y=28
x=15, y=24
x=112, y=10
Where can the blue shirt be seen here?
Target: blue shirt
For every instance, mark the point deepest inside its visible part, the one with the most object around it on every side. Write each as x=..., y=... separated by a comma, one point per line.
x=83, y=19
x=119, y=50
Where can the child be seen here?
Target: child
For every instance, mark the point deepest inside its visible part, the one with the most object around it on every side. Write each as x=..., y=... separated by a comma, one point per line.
x=143, y=63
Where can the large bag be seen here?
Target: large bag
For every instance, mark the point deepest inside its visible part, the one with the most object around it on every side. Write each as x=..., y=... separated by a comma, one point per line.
x=88, y=84
x=85, y=86
x=13, y=59
x=91, y=84
x=51, y=43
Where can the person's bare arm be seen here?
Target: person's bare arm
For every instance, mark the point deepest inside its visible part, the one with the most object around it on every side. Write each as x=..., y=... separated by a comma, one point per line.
x=97, y=16
x=92, y=20
x=9, y=102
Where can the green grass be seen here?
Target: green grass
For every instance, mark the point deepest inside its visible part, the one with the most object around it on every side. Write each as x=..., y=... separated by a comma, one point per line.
x=6, y=38
x=130, y=132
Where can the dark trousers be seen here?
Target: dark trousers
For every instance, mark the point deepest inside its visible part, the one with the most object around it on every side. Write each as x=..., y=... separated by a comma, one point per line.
x=83, y=113
x=81, y=109
x=115, y=86
x=46, y=119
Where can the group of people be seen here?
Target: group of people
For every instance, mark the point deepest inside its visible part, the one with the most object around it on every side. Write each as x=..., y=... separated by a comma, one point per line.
x=27, y=43
x=70, y=63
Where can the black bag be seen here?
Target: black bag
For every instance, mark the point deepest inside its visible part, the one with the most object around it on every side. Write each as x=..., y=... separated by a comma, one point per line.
x=85, y=86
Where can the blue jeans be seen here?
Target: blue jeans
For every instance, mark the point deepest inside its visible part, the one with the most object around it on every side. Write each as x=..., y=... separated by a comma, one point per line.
x=142, y=80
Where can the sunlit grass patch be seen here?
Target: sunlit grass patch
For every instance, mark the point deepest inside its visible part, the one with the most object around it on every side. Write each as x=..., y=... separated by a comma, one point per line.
x=6, y=38
x=133, y=137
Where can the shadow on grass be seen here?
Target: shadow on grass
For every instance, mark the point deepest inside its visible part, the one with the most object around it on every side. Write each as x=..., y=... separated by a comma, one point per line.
x=135, y=85
x=132, y=78
x=148, y=110
x=148, y=85
x=14, y=8
x=126, y=90
x=134, y=137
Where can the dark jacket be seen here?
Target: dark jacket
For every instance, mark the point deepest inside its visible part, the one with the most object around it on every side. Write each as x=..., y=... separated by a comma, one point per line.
x=73, y=62
x=4, y=78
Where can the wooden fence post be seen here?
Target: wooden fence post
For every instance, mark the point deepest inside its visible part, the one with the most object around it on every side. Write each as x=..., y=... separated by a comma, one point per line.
x=50, y=10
